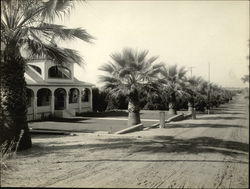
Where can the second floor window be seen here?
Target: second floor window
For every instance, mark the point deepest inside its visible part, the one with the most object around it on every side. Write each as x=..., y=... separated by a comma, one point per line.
x=59, y=72
x=38, y=70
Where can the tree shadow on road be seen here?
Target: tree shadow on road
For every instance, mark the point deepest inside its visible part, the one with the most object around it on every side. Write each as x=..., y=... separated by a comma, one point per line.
x=66, y=120
x=207, y=125
x=153, y=145
x=230, y=112
x=118, y=113
x=219, y=117
x=170, y=144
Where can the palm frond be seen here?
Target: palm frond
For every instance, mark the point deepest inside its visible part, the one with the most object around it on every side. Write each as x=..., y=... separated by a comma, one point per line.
x=107, y=68
x=131, y=68
x=62, y=32
x=129, y=55
x=37, y=48
x=30, y=16
x=181, y=72
x=172, y=70
x=118, y=59
x=182, y=93
x=152, y=59
x=53, y=8
x=142, y=56
x=108, y=79
x=124, y=72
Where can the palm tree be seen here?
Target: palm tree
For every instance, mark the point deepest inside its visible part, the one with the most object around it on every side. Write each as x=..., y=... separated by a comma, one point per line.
x=27, y=26
x=174, y=81
x=192, y=90
x=130, y=73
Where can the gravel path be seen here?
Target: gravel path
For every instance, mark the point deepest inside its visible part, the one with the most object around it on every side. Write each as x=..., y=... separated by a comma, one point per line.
x=209, y=152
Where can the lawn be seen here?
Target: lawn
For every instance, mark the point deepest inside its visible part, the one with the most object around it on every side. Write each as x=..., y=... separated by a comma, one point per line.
x=91, y=122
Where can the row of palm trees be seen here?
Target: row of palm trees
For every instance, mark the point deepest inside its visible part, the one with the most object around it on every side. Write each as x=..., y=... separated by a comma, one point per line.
x=132, y=74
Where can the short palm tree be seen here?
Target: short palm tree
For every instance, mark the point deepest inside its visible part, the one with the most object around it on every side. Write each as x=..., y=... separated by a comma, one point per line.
x=192, y=90
x=130, y=73
x=203, y=91
x=174, y=81
x=26, y=26
x=216, y=95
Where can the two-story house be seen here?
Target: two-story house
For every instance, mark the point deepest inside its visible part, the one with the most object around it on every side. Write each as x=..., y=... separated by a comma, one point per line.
x=54, y=91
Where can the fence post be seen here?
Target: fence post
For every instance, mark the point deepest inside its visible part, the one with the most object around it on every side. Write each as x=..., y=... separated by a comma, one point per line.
x=162, y=119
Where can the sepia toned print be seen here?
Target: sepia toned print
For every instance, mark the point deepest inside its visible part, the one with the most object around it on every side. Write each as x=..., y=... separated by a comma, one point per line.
x=124, y=94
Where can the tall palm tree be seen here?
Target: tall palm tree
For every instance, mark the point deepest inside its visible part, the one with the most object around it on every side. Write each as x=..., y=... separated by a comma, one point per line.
x=27, y=26
x=129, y=73
x=174, y=81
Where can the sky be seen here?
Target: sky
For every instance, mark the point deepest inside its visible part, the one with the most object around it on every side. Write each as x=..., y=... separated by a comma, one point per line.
x=187, y=33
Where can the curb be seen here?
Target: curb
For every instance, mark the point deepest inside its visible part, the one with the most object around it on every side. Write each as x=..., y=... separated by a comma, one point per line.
x=179, y=117
x=138, y=127
x=175, y=118
x=49, y=132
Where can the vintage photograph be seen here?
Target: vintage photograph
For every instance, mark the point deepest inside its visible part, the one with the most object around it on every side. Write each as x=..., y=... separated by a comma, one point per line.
x=124, y=94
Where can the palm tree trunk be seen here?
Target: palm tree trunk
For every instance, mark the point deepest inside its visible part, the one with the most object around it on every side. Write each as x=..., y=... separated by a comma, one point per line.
x=133, y=114
x=133, y=108
x=172, y=105
x=13, y=116
x=191, y=104
x=190, y=107
x=172, y=110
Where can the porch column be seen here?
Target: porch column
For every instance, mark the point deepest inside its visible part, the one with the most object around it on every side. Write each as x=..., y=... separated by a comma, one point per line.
x=34, y=106
x=52, y=103
x=67, y=100
x=80, y=101
x=90, y=99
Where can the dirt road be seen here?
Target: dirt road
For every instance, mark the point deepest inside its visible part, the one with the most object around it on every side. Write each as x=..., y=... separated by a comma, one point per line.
x=210, y=152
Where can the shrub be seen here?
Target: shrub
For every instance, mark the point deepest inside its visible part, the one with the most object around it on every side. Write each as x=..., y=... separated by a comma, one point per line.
x=99, y=100
x=8, y=150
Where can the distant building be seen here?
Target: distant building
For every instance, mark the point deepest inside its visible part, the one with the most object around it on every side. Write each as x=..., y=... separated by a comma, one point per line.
x=54, y=91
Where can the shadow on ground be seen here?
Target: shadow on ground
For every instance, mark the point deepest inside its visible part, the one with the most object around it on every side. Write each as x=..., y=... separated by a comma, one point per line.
x=157, y=144
x=229, y=112
x=67, y=120
x=119, y=113
x=193, y=125
x=219, y=117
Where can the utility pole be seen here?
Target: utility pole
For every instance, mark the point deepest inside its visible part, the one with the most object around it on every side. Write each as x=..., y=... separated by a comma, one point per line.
x=208, y=91
x=192, y=96
x=191, y=70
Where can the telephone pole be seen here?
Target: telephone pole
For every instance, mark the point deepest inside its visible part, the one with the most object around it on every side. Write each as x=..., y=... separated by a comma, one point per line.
x=191, y=70
x=208, y=91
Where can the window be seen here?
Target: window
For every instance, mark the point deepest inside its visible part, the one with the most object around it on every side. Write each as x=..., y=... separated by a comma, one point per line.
x=59, y=72
x=38, y=70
